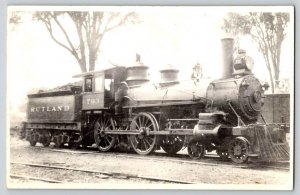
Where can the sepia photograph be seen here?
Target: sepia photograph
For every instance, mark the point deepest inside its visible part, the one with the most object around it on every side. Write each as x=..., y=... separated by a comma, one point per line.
x=150, y=97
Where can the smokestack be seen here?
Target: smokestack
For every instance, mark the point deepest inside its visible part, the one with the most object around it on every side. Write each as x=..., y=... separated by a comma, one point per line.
x=227, y=55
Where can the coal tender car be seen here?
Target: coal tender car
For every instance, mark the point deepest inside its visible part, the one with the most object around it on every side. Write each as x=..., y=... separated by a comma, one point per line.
x=53, y=116
x=120, y=108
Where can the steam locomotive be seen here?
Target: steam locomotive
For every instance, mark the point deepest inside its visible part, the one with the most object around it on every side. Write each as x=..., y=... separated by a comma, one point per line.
x=120, y=108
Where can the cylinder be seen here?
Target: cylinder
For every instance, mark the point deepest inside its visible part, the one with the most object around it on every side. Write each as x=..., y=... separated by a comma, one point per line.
x=227, y=56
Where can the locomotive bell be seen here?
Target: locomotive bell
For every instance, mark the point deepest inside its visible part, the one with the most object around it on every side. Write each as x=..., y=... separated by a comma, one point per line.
x=137, y=74
x=243, y=64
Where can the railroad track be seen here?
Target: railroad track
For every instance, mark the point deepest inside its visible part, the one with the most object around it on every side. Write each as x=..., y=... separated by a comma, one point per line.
x=107, y=174
x=180, y=158
x=34, y=178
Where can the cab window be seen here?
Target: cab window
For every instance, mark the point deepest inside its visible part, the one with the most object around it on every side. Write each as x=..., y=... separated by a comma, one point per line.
x=108, y=84
x=88, y=85
x=99, y=84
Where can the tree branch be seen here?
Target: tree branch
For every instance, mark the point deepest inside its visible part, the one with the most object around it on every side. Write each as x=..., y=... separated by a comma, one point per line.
x=122, y=21
x=49, y=28
x=64, y=32
x=48, y=25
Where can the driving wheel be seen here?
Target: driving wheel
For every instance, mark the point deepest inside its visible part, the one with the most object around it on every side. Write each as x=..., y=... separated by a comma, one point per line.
x=104, y=141
x=143, y=143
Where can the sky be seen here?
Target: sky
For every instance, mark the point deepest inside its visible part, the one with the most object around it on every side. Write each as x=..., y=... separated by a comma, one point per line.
x=178, y=36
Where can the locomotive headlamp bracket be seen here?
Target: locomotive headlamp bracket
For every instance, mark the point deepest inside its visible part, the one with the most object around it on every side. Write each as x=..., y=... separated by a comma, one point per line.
x=265, y=86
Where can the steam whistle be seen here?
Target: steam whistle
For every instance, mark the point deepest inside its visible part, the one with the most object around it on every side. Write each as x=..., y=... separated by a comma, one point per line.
x=137, y=57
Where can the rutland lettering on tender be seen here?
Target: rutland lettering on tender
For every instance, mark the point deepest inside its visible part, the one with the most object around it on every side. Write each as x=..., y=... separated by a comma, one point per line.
x=50, y=109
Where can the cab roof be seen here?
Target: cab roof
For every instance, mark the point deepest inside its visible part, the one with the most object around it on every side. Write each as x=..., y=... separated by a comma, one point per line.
x=96, y=72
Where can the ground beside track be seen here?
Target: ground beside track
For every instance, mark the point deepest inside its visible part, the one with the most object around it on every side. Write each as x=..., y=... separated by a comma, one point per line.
x=172, y=170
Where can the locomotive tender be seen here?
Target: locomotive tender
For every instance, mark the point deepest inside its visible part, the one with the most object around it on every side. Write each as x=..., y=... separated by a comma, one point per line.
x=120, y=107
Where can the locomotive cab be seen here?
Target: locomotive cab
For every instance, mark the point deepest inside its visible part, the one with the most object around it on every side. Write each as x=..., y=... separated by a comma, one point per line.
x=99, y=88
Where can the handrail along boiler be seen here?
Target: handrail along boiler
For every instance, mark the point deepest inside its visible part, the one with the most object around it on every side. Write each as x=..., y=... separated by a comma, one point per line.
x=120, y=108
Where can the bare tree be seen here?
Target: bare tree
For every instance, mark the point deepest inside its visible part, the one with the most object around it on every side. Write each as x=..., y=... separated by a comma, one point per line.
x=87, y=30
x=268, y=30
x=90, y=27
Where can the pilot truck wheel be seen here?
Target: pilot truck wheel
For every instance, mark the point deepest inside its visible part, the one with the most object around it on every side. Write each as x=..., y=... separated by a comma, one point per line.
x=196, y=149
x=238, y=150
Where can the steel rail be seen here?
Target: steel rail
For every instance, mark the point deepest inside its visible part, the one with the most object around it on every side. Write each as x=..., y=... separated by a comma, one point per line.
x=111, y=174
x=35, y=178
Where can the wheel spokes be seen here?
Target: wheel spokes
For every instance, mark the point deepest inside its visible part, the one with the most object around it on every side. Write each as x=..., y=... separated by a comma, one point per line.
x=196, y=149
x=171, y=144
x=136, y=125
x=238, y=150
x=103, y=141
x=143, y=143
x=146, y=140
